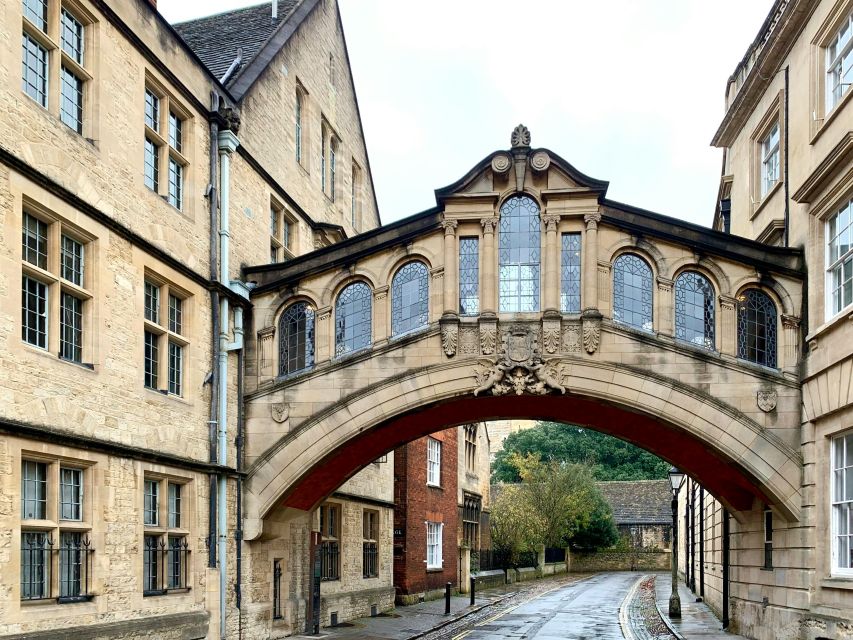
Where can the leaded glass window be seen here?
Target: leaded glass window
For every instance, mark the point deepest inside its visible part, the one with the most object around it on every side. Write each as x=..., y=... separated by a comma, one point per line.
x=519, y=255
x=632, y=292
x=570, y=273
x=469, y=276
x=694, y=309
x=756, y=328
x=409, y=298
x=296, y=339
x=352, y=319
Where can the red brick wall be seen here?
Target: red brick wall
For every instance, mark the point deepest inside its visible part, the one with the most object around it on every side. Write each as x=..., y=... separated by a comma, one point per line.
x=415, y=503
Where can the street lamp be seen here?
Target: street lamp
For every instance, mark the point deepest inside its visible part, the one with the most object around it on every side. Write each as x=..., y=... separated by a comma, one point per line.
x=676, y=478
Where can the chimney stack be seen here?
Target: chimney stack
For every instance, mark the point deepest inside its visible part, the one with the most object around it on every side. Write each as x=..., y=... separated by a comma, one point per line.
x=274, y=9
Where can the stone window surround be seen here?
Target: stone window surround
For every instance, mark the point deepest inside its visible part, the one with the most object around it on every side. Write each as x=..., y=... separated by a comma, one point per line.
x=830, y=313
x=834, y=571
x=772, y=118
x=169, y=105
x=164, y=334
x=820, y=43
x=52, y=524
x=283, y=231
x=57, y=227
x=51, y=41
x=162, y=530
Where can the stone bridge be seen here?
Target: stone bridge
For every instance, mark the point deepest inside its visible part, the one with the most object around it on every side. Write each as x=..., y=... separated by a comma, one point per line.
x=527, y=293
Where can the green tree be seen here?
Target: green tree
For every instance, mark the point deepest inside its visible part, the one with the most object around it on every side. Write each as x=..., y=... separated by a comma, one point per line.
x=610, y=458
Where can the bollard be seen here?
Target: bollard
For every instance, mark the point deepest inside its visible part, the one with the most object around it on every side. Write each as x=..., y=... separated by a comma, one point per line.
x=447, y=598
x=473, y=587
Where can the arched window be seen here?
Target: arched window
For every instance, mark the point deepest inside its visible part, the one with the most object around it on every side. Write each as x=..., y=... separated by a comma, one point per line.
x=409, y=298
x=756, y=328
x=632, y=292
x=352, y=318
x=519, y=255
x=296, y=339
x=694, y=309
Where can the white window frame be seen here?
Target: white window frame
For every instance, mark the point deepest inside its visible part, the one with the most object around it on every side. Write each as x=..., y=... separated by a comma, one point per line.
x=433, y=462
x=434, y=551
x=832, y=64
x=838, y=506
x=838, y=263
x=770, y=159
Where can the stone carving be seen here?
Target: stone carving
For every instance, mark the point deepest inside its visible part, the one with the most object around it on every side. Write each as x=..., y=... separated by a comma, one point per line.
x=489, y=224
x=551, y=338
x=468, y=342
x=520, y=369
x=280, y=411
x=501, y=164
x=520, y=137
x=551, y=221
x=488, y=338
x=540, y=161
x=591, y=334
x=449, y=339
x=767, y=400
x=572, y=339
x=449, y=227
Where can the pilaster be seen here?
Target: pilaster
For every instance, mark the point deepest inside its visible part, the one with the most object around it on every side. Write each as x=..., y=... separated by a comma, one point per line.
x=451, y=270
x=490, y=281
x=728, y=326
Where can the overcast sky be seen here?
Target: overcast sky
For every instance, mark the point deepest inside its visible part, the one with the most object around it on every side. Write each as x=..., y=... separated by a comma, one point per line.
x=629, y=91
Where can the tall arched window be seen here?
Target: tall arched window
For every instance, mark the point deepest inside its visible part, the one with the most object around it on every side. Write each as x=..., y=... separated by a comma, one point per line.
x=632, y=292
x=519, y=255
x=694, y=309
x=353, y=318
x=296, y=339
x=756, y=328
x=409, y=298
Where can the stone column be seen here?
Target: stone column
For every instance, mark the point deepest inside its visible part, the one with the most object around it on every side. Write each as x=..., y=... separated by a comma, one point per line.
x=663, y=310
x=590, y=262
x=490, y=281
x=551, y=297
x=789, y=347
x=451, y=263
x=266, y=354
x=465, y=569
x=728, y=326
x=324, y=336
x=540, y=559
x=381, y=325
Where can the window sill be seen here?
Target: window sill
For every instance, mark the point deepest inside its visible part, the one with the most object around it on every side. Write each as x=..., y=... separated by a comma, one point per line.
x=834, y=321
x=838, y=582
x=435, y=569
x=162, y=393
x=828, y=118
x=435, y=486
x=765, y=199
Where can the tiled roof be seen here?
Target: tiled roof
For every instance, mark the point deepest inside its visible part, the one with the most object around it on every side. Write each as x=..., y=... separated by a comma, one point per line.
x=215, y=39
x=639, y=501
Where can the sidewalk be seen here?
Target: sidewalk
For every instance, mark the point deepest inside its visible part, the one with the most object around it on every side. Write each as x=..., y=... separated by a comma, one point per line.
x=697, y=619
x=407, y=623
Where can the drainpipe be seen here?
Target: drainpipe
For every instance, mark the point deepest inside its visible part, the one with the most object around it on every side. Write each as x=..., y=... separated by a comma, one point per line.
x=213, y=198
x=701, y=541
x=227, y=143
x=726, y=552
x=785, y=178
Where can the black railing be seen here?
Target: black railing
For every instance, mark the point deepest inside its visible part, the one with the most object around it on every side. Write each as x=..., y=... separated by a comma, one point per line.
x=525, y=559
x=490, y=559
x=555, y=554
x=75, y=569
x=370, y=560
x=276, y=589
x=35, y=566
x=165, y=566
x=329, y=560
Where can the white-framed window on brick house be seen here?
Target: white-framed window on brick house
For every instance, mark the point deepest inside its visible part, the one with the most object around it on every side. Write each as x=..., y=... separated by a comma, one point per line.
x=330, y=536
x=841, y=488
x=839, y=260
x=433, y=462
x=370, y=544
x=839, y=63
x=282, y=233
x=165, y=160
x=165, y=544
x=55, y=59
x=770, y=159
x=55, y=284
x=56, y=548
x=165, y=343
x=435, y=558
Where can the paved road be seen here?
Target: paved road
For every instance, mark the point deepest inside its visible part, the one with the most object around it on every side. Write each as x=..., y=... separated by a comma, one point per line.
x=587, y=610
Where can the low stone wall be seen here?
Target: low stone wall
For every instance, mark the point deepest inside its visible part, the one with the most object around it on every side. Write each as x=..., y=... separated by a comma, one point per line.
x=619, y=561
x=179, y=626
x=553, y=568
x=491, y=579
x=356, y=604
x=527, y=573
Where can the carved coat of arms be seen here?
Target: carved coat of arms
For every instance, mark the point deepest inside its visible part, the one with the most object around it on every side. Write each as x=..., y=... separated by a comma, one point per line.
x=519, y=368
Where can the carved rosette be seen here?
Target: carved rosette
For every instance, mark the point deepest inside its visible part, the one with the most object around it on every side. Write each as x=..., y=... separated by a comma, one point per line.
x=449, y=338
x=540, y=161
x=767, y=400
x=591, y=334
x=519, y=369
x=501, y=164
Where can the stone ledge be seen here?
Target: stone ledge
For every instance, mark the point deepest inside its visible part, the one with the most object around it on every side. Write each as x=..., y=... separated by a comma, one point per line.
x=180, y=626
x=837, y=583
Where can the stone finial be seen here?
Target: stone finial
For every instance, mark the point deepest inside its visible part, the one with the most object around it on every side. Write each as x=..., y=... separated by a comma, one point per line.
x=520, y=137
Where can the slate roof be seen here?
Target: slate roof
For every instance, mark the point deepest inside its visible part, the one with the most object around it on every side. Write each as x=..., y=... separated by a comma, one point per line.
x=215, y=39
x=639, y=501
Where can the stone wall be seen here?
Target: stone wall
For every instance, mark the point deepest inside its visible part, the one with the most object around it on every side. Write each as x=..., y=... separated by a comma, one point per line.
x=619, y=561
